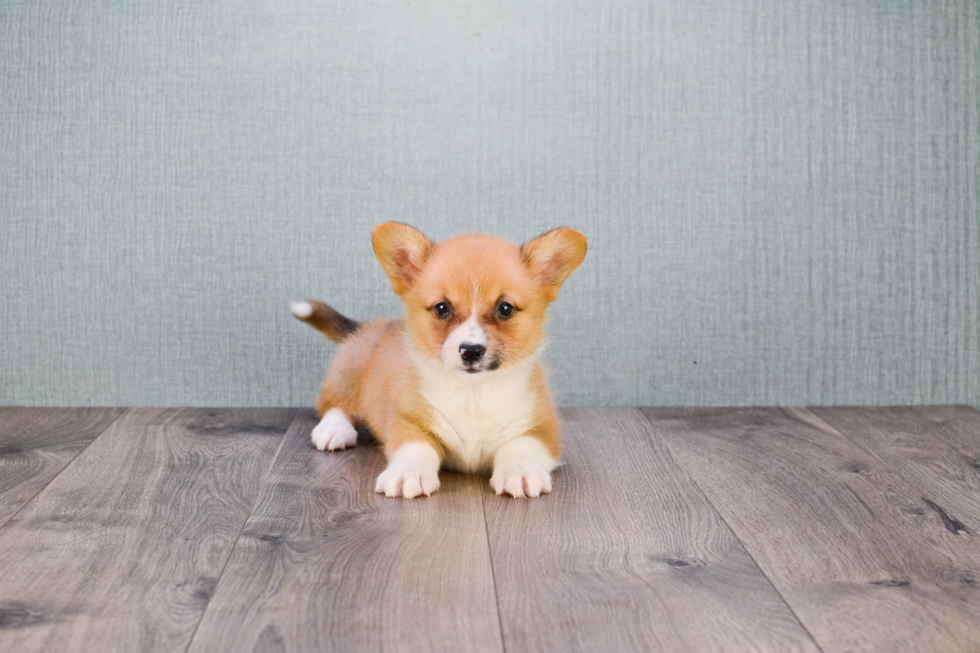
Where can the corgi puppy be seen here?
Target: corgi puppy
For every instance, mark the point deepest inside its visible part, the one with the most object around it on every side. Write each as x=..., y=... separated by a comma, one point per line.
x=458, y=383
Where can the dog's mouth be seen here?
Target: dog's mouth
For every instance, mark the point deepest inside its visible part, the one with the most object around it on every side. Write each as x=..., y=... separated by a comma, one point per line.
x=482, y=366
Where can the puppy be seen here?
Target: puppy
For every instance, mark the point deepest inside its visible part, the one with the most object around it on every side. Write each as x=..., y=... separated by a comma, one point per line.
x=458, y=383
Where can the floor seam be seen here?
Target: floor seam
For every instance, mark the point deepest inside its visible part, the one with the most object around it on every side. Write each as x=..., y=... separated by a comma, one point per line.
x=67, y=465
x=231, y=553
x=493, y=573
x=732, y=531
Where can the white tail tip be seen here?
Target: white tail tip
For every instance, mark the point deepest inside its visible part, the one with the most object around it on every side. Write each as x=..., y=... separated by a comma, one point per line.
x=302, y=310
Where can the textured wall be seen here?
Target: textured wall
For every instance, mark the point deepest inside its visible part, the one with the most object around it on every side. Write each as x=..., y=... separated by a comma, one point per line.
x=781, y=195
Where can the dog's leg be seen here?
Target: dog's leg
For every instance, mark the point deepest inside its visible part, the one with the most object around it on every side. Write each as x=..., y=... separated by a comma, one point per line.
x=522, y=468
x=334, y=431
x=337, y=413
x=413, y=469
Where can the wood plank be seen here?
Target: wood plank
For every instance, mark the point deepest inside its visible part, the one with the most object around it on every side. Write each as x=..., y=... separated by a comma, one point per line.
x=122, y=550
x=626, y=554
x=850, y=545
x=959, y=426
x=936, y=449
x=37, y=443
x=325, y=564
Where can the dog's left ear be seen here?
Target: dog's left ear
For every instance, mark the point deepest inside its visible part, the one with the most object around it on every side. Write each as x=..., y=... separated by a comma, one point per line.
x=553, y=256
x=402, y=251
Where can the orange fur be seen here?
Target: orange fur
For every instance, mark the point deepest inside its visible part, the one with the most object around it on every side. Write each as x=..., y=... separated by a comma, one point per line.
x=387, y=372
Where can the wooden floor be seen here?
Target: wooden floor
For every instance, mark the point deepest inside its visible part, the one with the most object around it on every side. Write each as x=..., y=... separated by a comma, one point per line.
x=737, y=529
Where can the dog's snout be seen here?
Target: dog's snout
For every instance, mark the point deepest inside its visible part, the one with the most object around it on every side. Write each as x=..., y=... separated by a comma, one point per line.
x=471, y=352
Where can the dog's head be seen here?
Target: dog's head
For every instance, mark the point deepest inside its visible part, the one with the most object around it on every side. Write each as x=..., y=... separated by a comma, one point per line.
x=476, y=301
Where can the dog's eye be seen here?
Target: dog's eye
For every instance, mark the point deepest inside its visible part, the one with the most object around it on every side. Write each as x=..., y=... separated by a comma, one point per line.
x=504, y=310
x=443, y=310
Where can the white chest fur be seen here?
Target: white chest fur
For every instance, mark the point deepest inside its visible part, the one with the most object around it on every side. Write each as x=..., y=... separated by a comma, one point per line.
x=475, y=417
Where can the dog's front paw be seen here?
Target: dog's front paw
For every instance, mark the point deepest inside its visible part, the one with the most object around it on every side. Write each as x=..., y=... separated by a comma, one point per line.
x=334, y=431
x=397, y=481
x=521, y=479
x=411, y=472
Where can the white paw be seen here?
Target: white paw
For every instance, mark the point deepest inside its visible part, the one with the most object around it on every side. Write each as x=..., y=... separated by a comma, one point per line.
x=334, y=431
x=412, y=471
x=526, y=478
x=522, y=468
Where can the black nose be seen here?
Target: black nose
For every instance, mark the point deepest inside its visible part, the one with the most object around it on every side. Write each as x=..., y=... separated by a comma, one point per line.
x=471, y=352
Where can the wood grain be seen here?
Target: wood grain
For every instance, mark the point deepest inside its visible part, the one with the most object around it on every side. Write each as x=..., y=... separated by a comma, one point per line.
x=852, y=547
x=37, y=443
x=325, y=564
x=936, y=449
x=626, y=554
x=123, y=549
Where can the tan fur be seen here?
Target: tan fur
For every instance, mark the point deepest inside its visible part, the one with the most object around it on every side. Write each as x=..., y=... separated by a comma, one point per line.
x=376, y=377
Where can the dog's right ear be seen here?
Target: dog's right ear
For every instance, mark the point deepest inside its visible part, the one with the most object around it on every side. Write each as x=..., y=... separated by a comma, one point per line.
x=402, y=251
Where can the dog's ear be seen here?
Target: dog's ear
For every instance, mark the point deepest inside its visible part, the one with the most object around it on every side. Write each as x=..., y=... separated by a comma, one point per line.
x=402, y=251
x=553, y=256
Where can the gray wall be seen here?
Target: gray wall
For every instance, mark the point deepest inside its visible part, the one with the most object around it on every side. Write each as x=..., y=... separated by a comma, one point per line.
x=781, y=196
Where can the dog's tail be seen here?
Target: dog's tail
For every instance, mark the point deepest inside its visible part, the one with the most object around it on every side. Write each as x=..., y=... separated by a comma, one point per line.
x=325, y=320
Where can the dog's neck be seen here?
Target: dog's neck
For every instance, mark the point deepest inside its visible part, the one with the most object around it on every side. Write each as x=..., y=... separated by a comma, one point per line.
x=474, y=415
